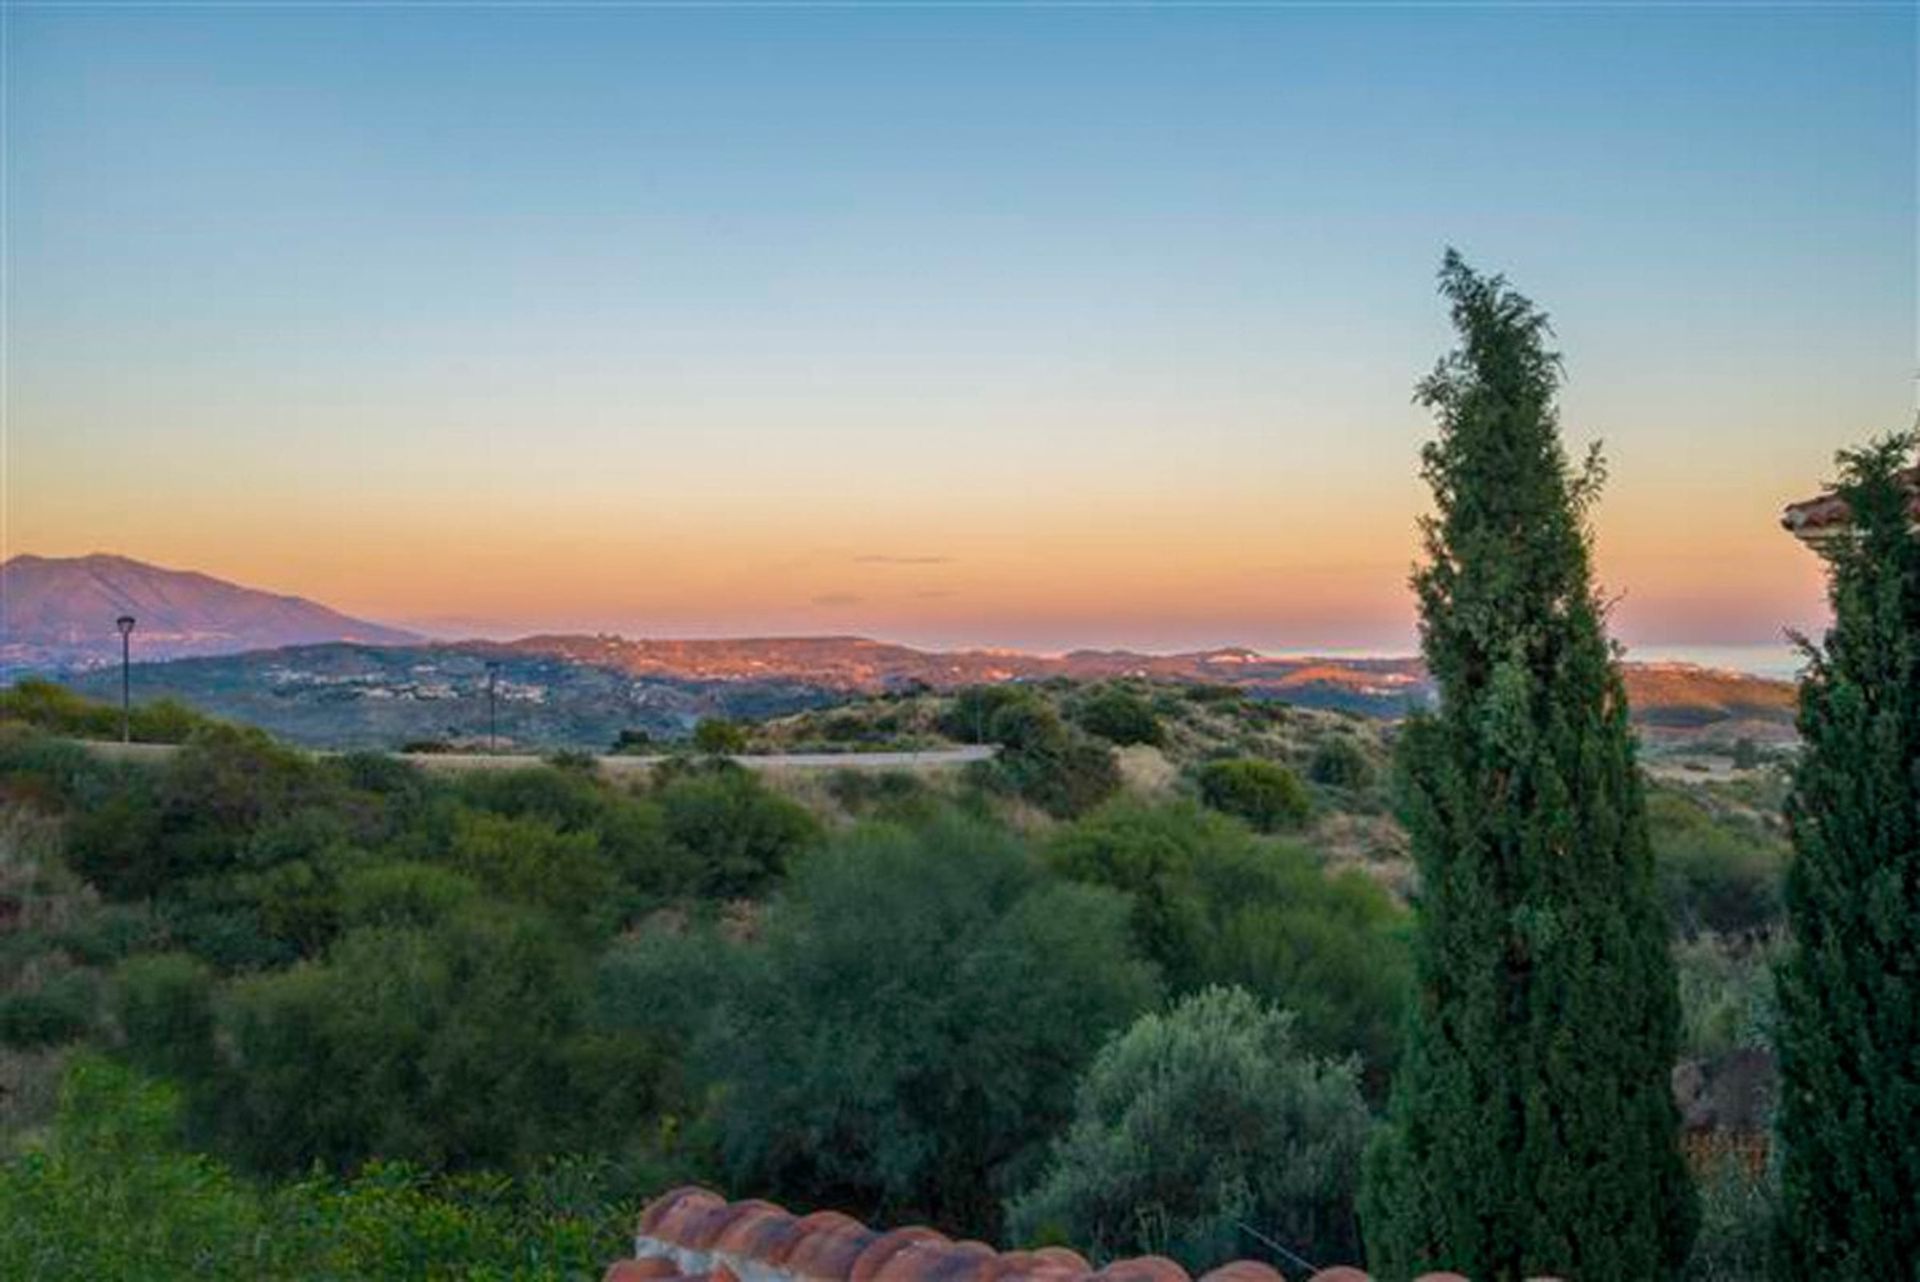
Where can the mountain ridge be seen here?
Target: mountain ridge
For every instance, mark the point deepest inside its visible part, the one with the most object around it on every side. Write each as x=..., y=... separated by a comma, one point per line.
x=57, y=613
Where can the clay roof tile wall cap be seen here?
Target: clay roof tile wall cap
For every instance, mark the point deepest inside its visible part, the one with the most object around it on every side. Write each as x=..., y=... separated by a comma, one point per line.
x=640, y=1270
x=827, y=1248
x=883, y=1248
x=705, y=1225
x=940, y=1262
x=1049, y=1264
x=1063, y=1258
x=1244, y=1271
x=1340, y=1274
x=657, y=1210
x=1826, y=512
x=764, y=1232
x=1145, y=1268
x=1441, y=1277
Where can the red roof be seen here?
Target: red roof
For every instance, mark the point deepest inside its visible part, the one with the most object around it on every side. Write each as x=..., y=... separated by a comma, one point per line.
x=1816, y=518
x=691, y=1234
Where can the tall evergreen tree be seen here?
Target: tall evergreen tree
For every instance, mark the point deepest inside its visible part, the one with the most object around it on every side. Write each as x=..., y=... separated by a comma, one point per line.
x=1532, y=1130
x=1849, y=1032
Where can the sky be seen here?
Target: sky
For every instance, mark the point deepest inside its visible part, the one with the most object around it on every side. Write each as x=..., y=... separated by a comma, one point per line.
x=954, y=324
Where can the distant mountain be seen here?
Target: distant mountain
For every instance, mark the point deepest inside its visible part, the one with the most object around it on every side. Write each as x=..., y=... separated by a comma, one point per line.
x=57, y=614
x=581, y=691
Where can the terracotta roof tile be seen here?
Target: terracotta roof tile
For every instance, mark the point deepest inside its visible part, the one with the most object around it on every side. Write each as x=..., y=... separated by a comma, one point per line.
x=1819, y=517
x=1144, y=1268
x=874, y=1260
x=764, y=1232
x=1244, y=1271
x=691, y=1234
x=640, y=1270
x=828, y=1246
x=684, y=1201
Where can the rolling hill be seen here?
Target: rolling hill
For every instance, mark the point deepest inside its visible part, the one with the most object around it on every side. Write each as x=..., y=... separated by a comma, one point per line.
x=583, y=691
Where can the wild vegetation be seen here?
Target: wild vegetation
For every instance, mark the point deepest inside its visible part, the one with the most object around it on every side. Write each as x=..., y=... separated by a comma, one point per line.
x=883, y=999
x=1141, y=982
x=495, y=1011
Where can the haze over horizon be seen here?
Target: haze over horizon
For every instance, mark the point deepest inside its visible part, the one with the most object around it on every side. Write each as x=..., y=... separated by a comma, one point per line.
x=1041, y=329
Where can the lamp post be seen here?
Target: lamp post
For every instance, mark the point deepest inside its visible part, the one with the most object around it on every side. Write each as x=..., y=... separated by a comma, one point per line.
x=493, y=719
x=125, y=624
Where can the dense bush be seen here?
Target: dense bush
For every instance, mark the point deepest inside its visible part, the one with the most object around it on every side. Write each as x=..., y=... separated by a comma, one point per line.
x=1339, y=762
x=738, y=836
x=47, y=705
x=719, y=736
x=1118, y=715
x=1193, y=1127
x=1268, y=796
x=909, y=1030
x=1737, y=1208
x=195, y=816
x=1715, y=875
x=969, y=717
x=444, y=1045
x=1047, y=763
x=1211, y=904
x=113, y=1195
x=1726, y=995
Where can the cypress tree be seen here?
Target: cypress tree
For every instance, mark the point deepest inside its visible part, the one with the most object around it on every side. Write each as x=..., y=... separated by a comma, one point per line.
x=1532, y=1130
x=1849, y=991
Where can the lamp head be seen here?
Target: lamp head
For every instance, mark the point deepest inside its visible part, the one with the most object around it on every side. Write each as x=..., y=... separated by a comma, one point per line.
x=125, y=624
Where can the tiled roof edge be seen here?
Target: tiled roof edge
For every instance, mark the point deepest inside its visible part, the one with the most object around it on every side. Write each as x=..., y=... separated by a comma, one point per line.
x=1815, y=517
x=691, y=1233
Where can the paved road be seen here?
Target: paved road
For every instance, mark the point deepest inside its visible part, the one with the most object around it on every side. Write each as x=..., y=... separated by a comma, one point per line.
x=456, y=761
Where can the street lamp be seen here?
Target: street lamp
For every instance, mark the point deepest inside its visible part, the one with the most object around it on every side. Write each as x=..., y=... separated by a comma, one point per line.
x=125, y=624
x=493, y=719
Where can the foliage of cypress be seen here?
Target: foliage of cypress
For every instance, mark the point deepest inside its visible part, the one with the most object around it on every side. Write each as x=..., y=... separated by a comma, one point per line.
x=1532, y=1130
x=1849, y=991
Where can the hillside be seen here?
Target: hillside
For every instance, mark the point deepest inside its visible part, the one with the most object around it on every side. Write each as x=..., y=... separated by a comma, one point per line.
x=367, y=696
x=57, y=614
x=584, y=691
x=863, y=666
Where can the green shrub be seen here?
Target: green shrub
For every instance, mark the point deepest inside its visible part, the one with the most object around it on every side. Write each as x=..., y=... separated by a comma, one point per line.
x=1726, y=995
x=445, y=1045
x=404, y=893
x=1735, y=1242
x=1212, y=904
x=893, y=794
x=1119, y=716
x=719, y=737
x=530, y=861
x=40, y=769
x=1715, y=874
x=113, y=1195
x=1339, y=762
x=1269, y=797
x=50, y=706
x=163, y=1004
x=969, y=717
x=634, y=742
x=909, y=1030
x=739, y=836
x=59, y=1011
x=1045, y=762
x=1194, y=1123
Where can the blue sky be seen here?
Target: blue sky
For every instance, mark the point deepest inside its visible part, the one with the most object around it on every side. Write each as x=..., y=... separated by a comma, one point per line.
x=1029, y=326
